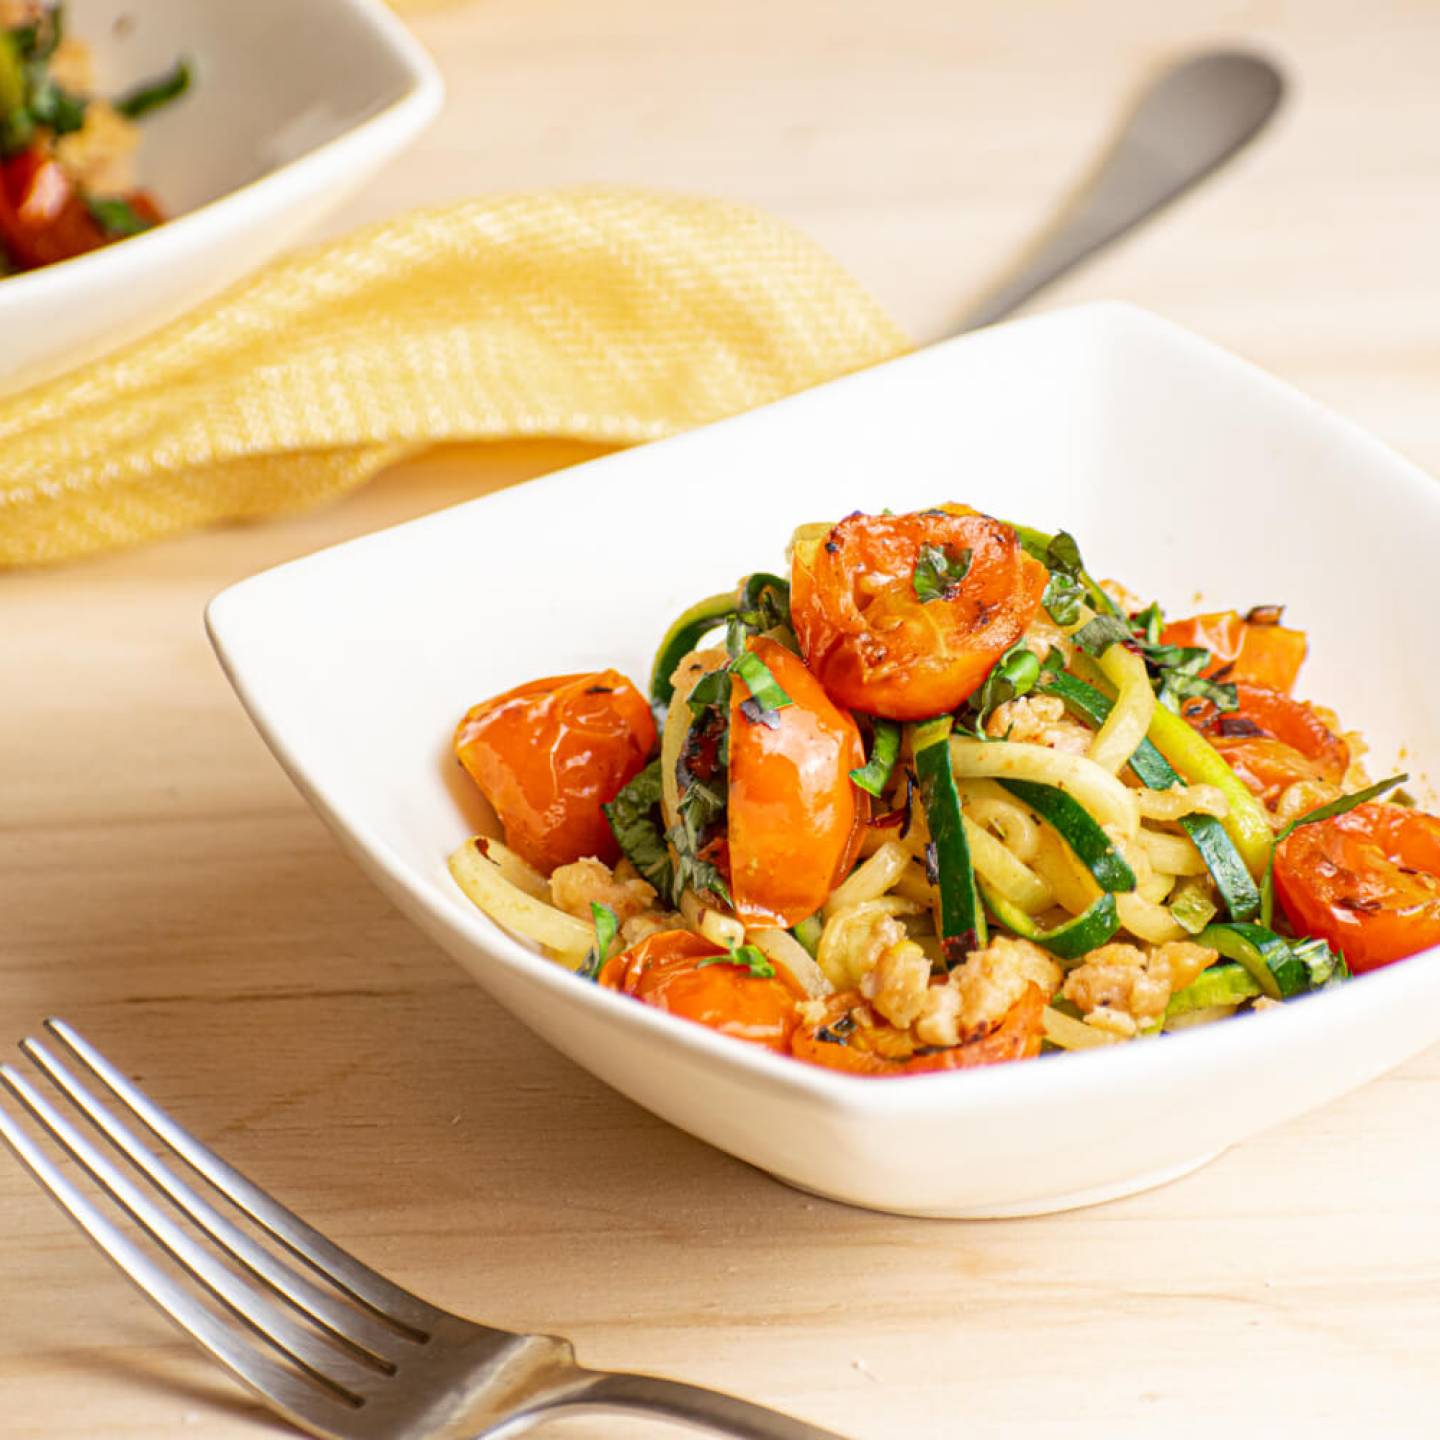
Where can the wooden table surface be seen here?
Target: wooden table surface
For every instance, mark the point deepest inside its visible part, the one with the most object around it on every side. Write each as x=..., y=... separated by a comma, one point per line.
x=163, y=886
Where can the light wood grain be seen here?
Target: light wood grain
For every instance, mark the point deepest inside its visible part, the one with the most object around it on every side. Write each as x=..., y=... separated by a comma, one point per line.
x=163, y=886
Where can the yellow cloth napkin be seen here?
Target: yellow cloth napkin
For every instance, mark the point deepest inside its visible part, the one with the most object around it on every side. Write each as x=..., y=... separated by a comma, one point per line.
x=596, y=314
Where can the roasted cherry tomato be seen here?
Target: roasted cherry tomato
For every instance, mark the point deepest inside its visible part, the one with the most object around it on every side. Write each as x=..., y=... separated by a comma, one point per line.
x=1269, y=654
x=665, y=970
x=549, y=754
x=1367, y=882
x=42, y=216
x=839, y=1043
x=872, y=638
x=1272, y=740
x=795, y=816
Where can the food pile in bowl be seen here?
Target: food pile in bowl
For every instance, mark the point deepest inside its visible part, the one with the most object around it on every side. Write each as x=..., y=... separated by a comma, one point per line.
x=939, y=799
x=66, y=155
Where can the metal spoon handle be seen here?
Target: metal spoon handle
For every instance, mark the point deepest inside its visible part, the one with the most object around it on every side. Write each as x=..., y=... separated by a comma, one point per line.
x=1191, y=120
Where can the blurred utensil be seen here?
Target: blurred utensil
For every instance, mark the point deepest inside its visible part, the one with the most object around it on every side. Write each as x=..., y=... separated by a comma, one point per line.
x=1185, y=126
x=323, y=1340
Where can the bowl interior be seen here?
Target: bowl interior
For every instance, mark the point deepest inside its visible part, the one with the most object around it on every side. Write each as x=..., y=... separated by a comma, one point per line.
x=273, y=80
x=1182, y=472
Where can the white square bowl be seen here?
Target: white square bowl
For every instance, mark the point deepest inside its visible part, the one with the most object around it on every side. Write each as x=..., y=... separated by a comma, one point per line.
x=1179, y=468
x=292, y=107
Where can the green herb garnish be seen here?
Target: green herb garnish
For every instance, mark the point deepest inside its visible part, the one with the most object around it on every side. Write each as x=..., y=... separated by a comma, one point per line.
x=939, y=571
x=117, y=218
x=607, y=927
x=1014, y=674
x=885, y=749
x=751, y=957
x=766, y=696
x=634, y=816
x=155, y=93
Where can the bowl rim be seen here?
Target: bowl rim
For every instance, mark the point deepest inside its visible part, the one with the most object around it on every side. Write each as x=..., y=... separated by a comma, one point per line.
x=406, y=115
x=1189, y=1055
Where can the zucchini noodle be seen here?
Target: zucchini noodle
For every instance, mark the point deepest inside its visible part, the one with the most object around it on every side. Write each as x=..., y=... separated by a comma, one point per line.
x=1173, y=853
x=521, y=875
x=1074, y=886
x=785, y=951
x=1129, y=719
x=508, y=905
x=1182, y=800
x=996, y=863
x=725, y=930
x=1110, y=802
x=1148, y=921
x=1002, y=815
x=869, y=880
x=1071, y=1034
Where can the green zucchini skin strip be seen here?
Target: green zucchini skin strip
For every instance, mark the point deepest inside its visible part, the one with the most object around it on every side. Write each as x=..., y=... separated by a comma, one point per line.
x=1226, y=984
x=875, y=774
x=962, y=919
x=1199, y=763
x=684, y=634
x=1079, y=831
x=807, y=932
x=1069, y=942
x=1231, y=875
x=1273, y=961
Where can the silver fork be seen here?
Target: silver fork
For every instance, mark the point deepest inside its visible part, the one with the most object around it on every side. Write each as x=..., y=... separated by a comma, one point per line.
x=328, y=1343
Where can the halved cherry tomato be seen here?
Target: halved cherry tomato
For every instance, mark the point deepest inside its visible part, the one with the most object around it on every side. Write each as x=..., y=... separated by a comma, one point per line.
x=795, y=817
x=882, y=1050
x=549, y=754
x=1272, y=740
x=1367, y=882
x=664, y=970
x=874, y=644
x=42, y=216
x=1267, y=654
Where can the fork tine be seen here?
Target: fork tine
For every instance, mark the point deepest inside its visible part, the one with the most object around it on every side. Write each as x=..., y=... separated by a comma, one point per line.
x=289, y=1390
x=328, y=1259
x=315, y=1354
x=354, y=1326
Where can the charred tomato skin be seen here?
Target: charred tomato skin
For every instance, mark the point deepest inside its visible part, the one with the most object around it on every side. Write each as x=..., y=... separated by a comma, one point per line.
x=874, y=644
x=1367, y=882
x=666, y=970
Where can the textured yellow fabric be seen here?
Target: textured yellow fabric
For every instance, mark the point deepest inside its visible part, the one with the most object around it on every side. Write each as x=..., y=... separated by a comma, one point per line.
x=595, y=314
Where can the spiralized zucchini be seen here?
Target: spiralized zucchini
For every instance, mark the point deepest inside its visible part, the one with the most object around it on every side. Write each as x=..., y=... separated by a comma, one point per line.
x=504, y=902
x=1134, y=708
x=871, y=879
x=1174, y=854
x=1110, y=802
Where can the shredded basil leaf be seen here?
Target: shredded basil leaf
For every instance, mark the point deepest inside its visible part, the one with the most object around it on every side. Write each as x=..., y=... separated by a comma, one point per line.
x=875, y=775
x=155, y=93
x=634, y=817
x=939, y=571
x=56, y=108
x=752, y=957
x=1015, y=673
x=766, y=696
x=116, y=217
x=1096, y=636
x=1176, y=686
x=1343, y=806
x=607, y=927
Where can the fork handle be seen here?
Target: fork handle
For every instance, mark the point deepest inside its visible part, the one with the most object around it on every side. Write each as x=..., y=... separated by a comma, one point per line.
x=690, y=1405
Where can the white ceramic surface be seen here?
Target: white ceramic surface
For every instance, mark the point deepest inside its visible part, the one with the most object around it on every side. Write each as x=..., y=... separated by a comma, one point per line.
x=294, y=104
x=1180, y=469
